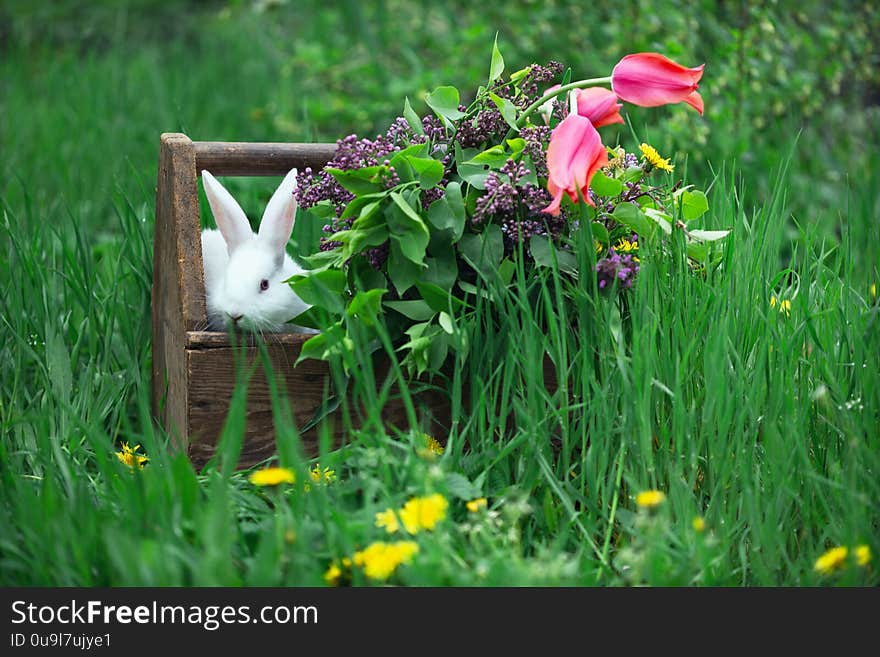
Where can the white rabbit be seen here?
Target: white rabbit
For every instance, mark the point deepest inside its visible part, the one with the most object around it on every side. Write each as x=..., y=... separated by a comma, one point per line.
x=245, y=271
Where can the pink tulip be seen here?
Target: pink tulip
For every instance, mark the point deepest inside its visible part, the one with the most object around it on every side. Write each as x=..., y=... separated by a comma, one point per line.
x=599, y=105
x=649, y=79
x=575, y=153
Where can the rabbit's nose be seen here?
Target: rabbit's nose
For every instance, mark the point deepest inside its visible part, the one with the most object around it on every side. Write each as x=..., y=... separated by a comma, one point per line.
x=235, y=318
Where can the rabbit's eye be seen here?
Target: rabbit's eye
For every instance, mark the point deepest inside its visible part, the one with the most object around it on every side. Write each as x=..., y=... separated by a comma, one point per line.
x=264, y=285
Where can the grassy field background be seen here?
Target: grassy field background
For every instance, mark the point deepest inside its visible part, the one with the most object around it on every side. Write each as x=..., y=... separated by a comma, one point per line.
x=762, y=423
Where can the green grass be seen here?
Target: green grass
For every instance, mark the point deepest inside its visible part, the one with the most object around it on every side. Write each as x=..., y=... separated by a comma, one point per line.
x=764, y=424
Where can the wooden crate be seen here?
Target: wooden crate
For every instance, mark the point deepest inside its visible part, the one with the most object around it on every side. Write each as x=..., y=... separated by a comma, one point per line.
x=193, y=372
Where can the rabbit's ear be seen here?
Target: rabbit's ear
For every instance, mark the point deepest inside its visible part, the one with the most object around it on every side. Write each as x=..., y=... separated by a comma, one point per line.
x=230, y=218
x=277, y=222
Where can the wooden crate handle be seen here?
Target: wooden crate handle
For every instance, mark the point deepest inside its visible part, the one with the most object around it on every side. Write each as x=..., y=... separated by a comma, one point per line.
x=230, y=158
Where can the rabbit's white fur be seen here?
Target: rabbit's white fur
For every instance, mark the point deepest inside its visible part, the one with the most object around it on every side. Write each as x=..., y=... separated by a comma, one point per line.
x=238, y=262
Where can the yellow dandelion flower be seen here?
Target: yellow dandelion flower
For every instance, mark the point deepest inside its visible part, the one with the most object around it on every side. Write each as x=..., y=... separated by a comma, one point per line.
x=272, y=477
x=130, y=457
x=333, y=575
x=873, y=290
x=626, y=246
x=599, y=247
x=319, y=476
x=433, y=445
x=862, y=554
x=336, y=570
x=784, y=305
x=388, y=520
x=653, y=158
x=650, y=499
x=423, y=512
x=699, y=525
x=379, y=560
x=475, y=505
x=831, y=560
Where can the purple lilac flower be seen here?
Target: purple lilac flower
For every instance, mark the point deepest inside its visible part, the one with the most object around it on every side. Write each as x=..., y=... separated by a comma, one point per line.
x=536, y=81
x=475, y=131
x=623, y=269
x=354, y=153
x=515, y=205
x=537, y=137
x=379, y=255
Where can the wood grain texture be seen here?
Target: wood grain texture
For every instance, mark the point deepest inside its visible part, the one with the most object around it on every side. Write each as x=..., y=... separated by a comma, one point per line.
x=259, y=159
x=212, y=374
x=177, y=298
x=214, y=339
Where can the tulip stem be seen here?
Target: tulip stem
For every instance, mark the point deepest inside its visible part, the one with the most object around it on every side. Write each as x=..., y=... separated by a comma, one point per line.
x=578, y=84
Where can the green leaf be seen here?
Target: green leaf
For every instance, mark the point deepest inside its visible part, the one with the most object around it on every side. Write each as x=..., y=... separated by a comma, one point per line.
x=459, y=486
x=366, y=305
x=323, y=289
x=693, y=204
x=661, y=218
x=708, y=235
x=473, y=175
x=605, y=186
x=439, y=299
x=359, y=181
x=412, y=118
x=357, y=206
x=445, y=101
x=630, y=216
x=322, y=210
x=408, y=229
x=698, y=251
x=496, y=67
x=456, y=204
x=494, y=157
x=324, y=345
x=470, y=288
x=401, y=270
x=507, y=109
x=355, y=241
x=483, y=251
x=442, y=270
x=314, y=317
x=429, y=171
x=416, y=310
x=401, y=161
x=323, y=259
x=58, y=364
x=545, y=254
x=517, y=145
x=600, y=233
x=633, y=174
x=506, y=270
x=445, y=322
x=516, y=76
x=437, y=352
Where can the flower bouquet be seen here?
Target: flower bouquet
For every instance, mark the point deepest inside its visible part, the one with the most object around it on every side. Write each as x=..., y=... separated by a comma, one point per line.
x=422, y=220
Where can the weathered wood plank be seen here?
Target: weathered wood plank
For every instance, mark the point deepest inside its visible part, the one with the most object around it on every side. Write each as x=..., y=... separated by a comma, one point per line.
x=177, y=298
x=211, y=373
x=214, y=339
x=259, y=159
